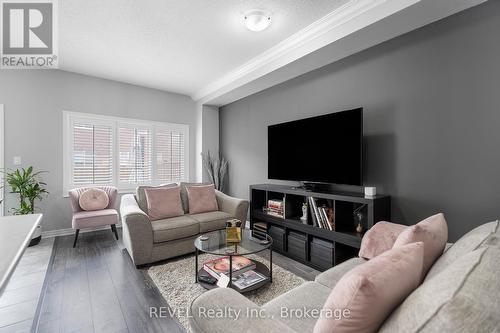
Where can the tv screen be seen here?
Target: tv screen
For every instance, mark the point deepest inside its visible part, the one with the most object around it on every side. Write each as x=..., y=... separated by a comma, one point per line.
x=323, y=149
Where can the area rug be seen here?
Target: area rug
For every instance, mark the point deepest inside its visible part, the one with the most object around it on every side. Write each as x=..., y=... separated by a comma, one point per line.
x=175, y=280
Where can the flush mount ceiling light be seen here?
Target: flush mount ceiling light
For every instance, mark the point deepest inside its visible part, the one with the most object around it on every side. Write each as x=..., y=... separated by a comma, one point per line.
x=257, y=20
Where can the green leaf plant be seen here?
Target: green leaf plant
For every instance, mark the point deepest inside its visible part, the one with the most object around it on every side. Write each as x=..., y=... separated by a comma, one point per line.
x=27, y=185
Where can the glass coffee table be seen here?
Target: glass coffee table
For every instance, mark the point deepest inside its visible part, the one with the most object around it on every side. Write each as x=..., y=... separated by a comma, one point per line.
x=215, y=243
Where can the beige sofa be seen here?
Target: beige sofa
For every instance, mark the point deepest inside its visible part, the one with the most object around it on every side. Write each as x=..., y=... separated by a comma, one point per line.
x=149, y=241
x=461, y=293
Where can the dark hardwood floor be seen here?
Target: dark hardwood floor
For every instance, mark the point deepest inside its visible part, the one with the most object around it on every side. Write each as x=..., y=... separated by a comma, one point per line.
x=95, y=287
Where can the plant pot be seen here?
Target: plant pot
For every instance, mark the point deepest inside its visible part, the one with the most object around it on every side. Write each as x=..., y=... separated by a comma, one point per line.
x=37, y=236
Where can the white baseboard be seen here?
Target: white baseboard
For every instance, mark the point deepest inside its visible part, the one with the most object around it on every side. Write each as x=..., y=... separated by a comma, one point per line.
x=71, y=231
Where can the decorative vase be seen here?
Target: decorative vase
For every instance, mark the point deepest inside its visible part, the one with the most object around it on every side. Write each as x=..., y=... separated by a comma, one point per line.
x=233, y=231
x=359, y=228
x=359, y=216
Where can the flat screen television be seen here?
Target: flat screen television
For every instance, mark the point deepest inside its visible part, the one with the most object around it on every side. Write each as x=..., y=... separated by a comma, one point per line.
x=323, y=149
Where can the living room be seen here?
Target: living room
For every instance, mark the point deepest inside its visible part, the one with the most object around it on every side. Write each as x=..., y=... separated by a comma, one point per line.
x=252, y=166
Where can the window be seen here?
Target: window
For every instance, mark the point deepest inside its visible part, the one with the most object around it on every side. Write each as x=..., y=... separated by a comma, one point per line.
x=123, y=152
x=170, y=161
x=135, y=155
x=92, y=158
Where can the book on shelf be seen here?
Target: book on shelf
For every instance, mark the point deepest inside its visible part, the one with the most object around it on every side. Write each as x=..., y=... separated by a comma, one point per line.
x=260, y=225
x=259, y=234
x=259, y=230
x=311, y=209
x=276, y=207
x=248, y=279
x=219, y=266
x=275, y=213
x=330, y=216
x=322, y=217
x=317, y=214
x=277, y=204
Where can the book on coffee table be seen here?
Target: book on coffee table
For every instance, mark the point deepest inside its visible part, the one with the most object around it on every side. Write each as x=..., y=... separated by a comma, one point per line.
x=248, y=279
x=219, y=266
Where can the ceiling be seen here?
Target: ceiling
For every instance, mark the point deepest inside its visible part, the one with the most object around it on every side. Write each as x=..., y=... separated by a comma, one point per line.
x=180, y=46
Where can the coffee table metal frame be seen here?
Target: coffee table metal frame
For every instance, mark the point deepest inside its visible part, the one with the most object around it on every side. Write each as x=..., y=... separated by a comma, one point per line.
x=239, y=250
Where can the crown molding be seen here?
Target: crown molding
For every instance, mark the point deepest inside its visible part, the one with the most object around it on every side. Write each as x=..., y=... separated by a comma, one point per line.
x=330, y=28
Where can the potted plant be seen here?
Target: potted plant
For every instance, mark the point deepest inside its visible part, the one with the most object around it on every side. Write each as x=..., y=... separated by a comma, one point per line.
x=27, y=185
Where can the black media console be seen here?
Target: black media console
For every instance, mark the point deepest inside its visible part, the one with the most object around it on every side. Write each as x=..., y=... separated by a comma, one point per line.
x=319, y=248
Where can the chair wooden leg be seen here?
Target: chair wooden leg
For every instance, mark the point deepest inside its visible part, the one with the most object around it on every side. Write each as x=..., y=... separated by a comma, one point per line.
x=76, y=237
x=113, y=228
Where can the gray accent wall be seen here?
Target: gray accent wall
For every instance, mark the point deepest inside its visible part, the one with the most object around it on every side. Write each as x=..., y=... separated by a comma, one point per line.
x=432, y=119
x=34, y=101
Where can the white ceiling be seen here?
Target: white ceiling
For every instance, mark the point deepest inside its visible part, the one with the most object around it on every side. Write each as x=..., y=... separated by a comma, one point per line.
x=175, y=45
x=354, y=27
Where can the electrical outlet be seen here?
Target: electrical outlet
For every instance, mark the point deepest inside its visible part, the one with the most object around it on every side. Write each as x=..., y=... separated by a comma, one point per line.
x=17, y=160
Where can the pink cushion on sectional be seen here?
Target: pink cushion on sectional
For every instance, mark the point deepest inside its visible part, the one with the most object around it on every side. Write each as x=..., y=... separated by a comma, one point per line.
x=371, y=291
x=201, y=199
x=93, y=199
x=380, y=238
x=433, y=231
x=163, y=202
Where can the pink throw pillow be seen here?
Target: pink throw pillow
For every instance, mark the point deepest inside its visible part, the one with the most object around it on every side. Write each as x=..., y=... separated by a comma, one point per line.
x=201, y=199
x=380, y=238
x=433, y=231
x=366, y=295
x=93, y=199
x=164, y=202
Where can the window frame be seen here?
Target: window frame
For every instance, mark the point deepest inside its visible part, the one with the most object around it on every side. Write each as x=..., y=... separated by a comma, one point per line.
x=69, y=119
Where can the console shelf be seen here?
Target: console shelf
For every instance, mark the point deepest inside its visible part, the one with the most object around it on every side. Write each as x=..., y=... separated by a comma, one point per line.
x=317, y=247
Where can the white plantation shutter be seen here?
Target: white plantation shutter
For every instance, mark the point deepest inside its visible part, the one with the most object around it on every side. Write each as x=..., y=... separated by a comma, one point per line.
x=170, y=159
x=101, y=150
x=92, y=158
x=135, y=151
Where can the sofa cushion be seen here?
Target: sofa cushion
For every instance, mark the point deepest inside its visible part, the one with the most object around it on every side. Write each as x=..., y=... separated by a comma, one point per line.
x=174, y=228
x=433, y=231
x=212, y=220
x=380, y=238
x=201, y=199
x=330, y=277
x=461, y=298
x=95, y=218
x=140, y=195
x=372, y=290
x=309, y=295
x=93, y=199
x=243, y=315
x=467, y=243
x=164, y=202
x=184, y=195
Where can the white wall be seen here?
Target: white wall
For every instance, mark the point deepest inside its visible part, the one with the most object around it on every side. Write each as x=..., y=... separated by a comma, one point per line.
x=34, y=100
x=210, y=132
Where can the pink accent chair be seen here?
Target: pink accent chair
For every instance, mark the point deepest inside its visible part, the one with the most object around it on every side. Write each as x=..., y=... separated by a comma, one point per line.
x=97, y=218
